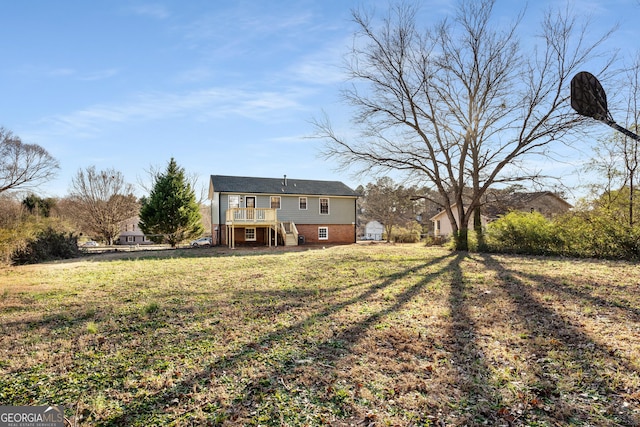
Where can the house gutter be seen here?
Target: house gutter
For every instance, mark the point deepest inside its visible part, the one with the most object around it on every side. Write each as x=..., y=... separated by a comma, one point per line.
x=220, y=220
x=355, y=220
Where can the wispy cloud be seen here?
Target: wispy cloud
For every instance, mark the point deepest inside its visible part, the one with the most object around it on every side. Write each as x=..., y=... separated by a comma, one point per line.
x=60, y=72
x=99, y=75
x=68, y=72
x=156, y=11
x=201, y=105
x=324, y=67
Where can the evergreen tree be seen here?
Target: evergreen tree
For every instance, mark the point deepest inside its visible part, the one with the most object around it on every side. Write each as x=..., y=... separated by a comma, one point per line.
x=171, y=214
x=38, y=206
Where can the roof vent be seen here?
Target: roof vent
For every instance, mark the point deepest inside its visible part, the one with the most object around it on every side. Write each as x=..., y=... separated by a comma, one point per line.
x=285, y=180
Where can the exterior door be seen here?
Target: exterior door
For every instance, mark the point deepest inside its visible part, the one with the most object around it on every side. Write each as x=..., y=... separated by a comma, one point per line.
x=250, y=204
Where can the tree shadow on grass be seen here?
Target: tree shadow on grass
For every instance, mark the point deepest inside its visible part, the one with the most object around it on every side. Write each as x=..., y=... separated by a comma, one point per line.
x=251, y=393
x=478, y=401
x=624, y=310
x=573, y=379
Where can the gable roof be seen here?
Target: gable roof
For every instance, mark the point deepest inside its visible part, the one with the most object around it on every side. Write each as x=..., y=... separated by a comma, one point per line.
x=506, y=202
x=522, y=201
x=243, y=184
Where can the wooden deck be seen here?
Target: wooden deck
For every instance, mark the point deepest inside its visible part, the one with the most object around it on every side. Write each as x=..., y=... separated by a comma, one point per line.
x=260, y=218
x=252, y=217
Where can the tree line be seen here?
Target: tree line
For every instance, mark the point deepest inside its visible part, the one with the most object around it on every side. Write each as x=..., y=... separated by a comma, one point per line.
x=99, y=201
x=600, y=226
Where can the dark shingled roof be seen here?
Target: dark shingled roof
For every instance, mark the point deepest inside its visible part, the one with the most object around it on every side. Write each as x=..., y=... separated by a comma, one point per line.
x=243, y=184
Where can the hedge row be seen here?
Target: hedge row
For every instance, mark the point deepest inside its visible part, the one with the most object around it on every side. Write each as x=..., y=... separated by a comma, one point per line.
x=593, y=234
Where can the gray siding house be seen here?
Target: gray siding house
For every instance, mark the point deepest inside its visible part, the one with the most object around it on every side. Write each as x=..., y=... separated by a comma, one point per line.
x=276, y=211
x=130, y=233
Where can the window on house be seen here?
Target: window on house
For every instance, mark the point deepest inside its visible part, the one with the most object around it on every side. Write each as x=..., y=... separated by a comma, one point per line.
x=275, y=202
x=303, y=203
x=130, y=239
x=324, y=206
x=323, y=233
x=250, y=234
x=234, y=201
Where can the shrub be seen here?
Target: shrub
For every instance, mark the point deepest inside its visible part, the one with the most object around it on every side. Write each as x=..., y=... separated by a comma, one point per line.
x=435, y=241
x=594, y=233
x=522, y=232
x=409, y=234
x=48, y=244
x=598, y=233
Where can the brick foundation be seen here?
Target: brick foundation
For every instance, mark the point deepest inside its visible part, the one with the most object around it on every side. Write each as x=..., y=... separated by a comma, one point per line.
x=338, y=233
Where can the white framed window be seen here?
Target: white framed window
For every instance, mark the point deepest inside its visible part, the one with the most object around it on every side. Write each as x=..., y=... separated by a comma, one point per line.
x=324, y=206
x=250, y=234
x=234, y=201
x=302, y=203
x=323, y=233
x=275, y=202
x=131, y=239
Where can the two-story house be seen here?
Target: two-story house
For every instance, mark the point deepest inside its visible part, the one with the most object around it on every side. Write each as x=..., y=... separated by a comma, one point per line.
x=130, y=233
x=272, y=211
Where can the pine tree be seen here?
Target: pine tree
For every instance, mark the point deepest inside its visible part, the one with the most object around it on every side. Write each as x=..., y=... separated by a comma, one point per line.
x=171, y=214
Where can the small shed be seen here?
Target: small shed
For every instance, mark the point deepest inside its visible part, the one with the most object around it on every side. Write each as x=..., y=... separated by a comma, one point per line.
x=373, y=230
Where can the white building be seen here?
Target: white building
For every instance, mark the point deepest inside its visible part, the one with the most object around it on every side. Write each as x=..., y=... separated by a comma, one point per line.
x=373, y=230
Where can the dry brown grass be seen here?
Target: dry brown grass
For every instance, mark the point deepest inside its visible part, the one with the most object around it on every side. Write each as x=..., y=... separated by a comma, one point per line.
x=354, y=335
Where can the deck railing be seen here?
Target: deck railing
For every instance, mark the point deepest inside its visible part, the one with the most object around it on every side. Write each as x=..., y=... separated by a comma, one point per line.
x=251, y=215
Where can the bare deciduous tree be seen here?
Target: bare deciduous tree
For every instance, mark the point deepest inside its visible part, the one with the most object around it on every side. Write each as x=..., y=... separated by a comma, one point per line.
x=103, y=200
x=389, y=203
x=630, y=147
x=617, y=160
x=23, y=165
x=460, y=105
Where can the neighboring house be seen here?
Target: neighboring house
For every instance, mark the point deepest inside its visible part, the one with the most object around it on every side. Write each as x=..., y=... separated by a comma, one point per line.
x=266, y=211
x=130, y=233
x=547, y=203
x=373, y=230
x=442, y=226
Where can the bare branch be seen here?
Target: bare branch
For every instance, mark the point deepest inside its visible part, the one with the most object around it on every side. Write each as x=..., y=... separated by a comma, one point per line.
x=104, y=200
x=23, y=166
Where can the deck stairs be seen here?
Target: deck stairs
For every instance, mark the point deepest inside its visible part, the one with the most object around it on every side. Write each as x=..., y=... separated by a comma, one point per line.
x=289, y=233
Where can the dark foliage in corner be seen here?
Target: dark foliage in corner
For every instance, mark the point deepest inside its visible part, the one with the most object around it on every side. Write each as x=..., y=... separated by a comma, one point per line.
x=48, y=245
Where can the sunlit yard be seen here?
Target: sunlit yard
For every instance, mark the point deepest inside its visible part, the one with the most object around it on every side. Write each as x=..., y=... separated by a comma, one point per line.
x=353, y=335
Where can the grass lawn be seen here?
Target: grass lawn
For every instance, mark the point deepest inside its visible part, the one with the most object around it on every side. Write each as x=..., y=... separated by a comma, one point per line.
x=363, y=335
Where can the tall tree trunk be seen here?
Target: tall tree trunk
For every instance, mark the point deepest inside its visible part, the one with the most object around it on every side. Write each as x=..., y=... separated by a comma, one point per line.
x=631, y=200
x=461, y=238
x=461, y=235
x=477, y=226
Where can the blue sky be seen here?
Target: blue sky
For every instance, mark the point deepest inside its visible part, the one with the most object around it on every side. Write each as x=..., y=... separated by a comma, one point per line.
x=224, y=87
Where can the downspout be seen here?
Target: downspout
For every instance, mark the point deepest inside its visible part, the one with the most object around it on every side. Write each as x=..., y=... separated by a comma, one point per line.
x=213, y=241
x=220, y=220
x=355, y=220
